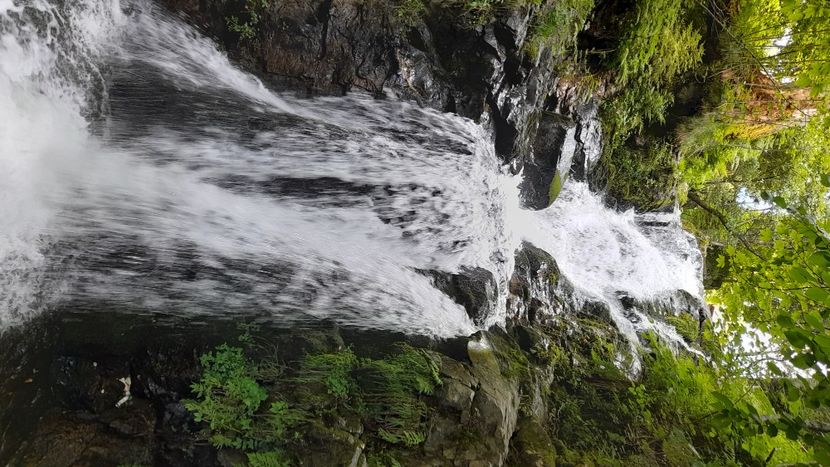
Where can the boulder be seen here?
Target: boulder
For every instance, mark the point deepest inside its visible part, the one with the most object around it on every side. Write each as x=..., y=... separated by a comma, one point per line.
x=548, y=164
x=536, y=288
x=531, y=445
x=473, y=288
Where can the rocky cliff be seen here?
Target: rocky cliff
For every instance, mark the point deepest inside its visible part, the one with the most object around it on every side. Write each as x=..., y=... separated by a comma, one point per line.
x=486, y=68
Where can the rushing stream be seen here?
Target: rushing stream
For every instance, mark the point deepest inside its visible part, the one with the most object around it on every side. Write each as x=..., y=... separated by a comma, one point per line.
x=140, y=168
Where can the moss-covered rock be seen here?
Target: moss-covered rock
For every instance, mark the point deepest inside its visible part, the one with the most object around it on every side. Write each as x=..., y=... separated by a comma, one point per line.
x=531, y=445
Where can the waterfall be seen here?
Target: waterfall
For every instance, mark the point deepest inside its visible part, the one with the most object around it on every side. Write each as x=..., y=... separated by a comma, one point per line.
x=142, y=169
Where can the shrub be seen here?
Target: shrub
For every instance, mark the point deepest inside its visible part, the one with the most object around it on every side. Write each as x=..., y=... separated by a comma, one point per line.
x=229, y=398
x=557, y=26
x=247, y=28
x=658, y=44
x=386, y=394
x=331, y=371
x=643, y=178
x=389, y=391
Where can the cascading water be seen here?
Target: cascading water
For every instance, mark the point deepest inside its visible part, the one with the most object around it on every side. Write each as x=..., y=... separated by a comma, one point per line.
x=141, y=169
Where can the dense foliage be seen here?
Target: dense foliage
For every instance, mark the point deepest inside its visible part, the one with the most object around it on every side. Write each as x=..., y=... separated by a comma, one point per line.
x=753, y=158
x=266, y=406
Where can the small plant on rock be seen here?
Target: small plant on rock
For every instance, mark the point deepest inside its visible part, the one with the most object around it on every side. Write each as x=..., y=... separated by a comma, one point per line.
x=230, y=400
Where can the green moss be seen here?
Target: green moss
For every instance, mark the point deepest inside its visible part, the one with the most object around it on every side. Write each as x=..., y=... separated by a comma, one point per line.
x=531, y=445
x=382, y=459
x=511, y=359
x=409, y=12
x=555, y=187
x=247, y=25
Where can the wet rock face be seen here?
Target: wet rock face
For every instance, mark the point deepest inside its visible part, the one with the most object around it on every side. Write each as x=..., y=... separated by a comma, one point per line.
x=473, y=288
x=437, y=58
x=535, y=289
x=479, y=407
x=64, y=440
x=102, y=416
x=531, y=445
x=671, y=304
x=549, y=162
x=328, y=45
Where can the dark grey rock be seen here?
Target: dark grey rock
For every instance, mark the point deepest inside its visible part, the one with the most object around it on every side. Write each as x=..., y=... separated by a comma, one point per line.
x=552, y=152
x=536, y=288
x=473, y=288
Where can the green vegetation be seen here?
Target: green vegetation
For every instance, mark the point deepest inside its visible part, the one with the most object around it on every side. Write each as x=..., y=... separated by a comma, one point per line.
x=753, y=158
x=682, y=410
x=246, y=25
x=230, y=399
x=655, y=43
x=248, y=406
x=643, y=177
x=679, y=412
x=557, y=26
x=555, y=187
x=782, y=287
x=658, y=44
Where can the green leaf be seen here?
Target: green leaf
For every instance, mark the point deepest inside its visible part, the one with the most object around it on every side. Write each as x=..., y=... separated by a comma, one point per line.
x=825, y=180
x=822, y=341
x=793, y=394
x=818, y=295
x=797, y=338
x=723, y=400
x=800, y=275
x=804, y=361
x=785, y=321
x=822, y=453
x=555, y=187
x=819, y=259
x=814, y=320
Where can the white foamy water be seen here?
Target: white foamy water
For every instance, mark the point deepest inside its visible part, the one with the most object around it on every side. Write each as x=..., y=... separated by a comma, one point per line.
x=606, y=254
x=141, y=170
